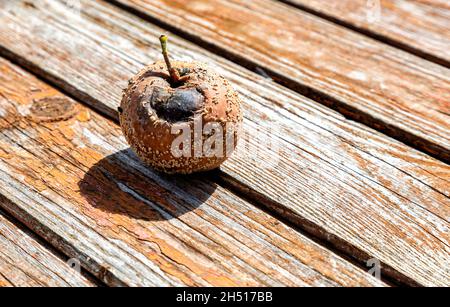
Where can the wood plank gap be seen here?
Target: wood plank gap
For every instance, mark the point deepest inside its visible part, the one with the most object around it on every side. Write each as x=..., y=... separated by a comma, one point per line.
x=227, y=182
x=312, y=231
x=58, y=82
x=377, y=36
x=5, y=278
x=18, y=133
x=58, y=243
x=29, y=246
x=285, y=104
x=350, y=112
x=41, y=241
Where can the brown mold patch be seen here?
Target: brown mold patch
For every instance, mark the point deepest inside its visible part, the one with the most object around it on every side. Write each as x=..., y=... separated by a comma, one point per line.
x=9, y=119
x=51, y=109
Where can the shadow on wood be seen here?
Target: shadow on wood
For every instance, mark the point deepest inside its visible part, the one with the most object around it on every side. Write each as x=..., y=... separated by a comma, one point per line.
x=121, y=184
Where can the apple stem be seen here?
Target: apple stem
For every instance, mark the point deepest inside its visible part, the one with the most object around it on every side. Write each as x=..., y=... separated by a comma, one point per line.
x=174, y=74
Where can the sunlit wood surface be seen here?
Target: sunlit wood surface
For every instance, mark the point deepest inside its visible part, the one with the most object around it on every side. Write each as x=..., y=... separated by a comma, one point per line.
x=361, y=172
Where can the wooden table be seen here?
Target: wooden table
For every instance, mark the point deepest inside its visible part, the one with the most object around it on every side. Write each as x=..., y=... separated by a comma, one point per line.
x=355, y=93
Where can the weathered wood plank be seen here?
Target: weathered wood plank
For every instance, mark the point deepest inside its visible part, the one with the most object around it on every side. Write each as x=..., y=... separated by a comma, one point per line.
x=385, y=88
x=75, y=182
x=366, y=194
x=24, y=262
x=419, y=26
x=5, y=282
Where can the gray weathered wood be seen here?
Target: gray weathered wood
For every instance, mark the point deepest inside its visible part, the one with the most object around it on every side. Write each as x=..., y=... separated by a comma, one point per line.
x=363, y=192
x=24, y=262
x=422, y=27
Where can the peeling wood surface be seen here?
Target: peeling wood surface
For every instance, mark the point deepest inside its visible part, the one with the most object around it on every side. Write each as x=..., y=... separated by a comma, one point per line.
x=383, y=87
x=364, y=193
x=73, y=180
x=420, y=25
x=25, y=262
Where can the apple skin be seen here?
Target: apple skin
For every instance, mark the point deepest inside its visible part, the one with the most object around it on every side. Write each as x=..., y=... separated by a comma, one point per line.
x=152, y=110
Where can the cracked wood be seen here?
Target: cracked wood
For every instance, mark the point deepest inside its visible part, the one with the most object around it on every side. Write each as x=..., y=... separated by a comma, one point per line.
x=422, y=26
x=383, y=87
x=74, y=181
x=25, y=262
x=366, y=194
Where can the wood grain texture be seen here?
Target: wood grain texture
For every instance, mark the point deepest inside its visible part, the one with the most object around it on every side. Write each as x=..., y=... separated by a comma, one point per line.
x=70, y=177
x=24, y=262
x=367, y=194
x=383, y=87
x=420, y=26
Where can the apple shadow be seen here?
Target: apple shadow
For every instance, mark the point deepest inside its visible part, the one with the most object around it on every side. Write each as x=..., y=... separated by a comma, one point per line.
x=121, y=184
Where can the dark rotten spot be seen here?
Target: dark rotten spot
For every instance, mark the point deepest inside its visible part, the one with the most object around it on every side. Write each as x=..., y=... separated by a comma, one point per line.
x=177, y=105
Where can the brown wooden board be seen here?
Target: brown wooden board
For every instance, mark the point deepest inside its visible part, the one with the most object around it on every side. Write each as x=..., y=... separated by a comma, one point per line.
x=25, y=262
x=418, y=26
x=364, y=193
x=69, y=176
x=383, y=87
